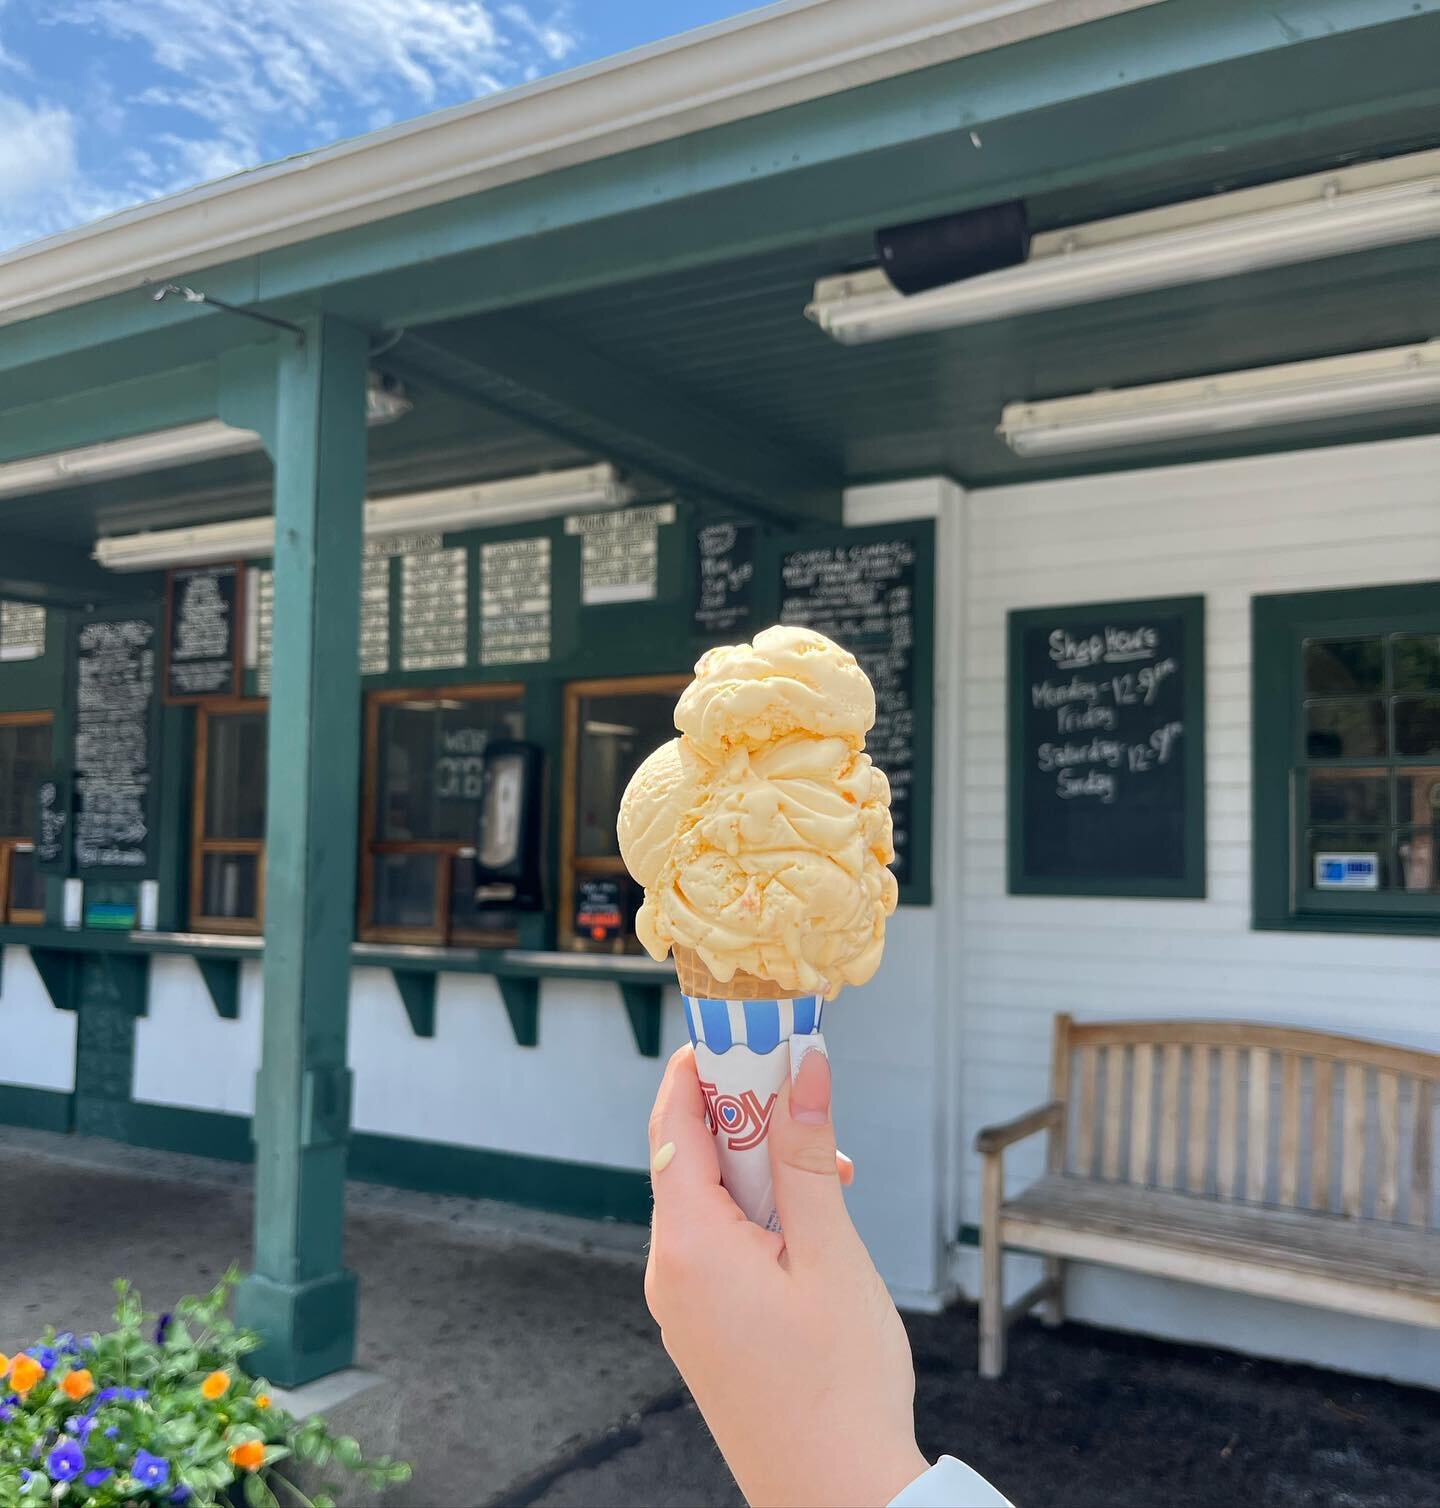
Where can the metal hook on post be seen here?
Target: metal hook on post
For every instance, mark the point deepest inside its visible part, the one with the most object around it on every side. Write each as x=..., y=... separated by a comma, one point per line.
x=195, y=296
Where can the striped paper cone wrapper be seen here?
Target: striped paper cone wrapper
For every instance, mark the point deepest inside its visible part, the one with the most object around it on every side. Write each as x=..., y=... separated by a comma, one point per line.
x=742, y=1054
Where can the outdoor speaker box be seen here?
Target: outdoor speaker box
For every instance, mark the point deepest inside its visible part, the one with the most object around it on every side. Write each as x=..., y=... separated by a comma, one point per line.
x=951, y=248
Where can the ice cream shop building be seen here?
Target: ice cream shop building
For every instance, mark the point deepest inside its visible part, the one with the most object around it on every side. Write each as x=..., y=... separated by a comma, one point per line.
x=1073, y=362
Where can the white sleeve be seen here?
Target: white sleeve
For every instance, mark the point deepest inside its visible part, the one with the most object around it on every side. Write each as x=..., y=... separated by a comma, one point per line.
x=950, y=1484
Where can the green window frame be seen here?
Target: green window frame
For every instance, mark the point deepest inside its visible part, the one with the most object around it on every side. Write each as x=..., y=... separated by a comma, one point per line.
x=1346, y=759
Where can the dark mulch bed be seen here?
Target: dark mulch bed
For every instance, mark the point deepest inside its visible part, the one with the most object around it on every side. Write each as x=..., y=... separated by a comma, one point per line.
x=1087, y=1419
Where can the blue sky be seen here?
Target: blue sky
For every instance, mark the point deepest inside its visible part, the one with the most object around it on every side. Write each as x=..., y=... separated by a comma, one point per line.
x=105, y=103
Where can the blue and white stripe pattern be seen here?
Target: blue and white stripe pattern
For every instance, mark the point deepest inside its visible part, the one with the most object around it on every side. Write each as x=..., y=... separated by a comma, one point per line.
x=760, y=1025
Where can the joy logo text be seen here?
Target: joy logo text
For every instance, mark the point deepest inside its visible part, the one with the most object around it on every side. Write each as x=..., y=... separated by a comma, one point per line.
x=742, y=1118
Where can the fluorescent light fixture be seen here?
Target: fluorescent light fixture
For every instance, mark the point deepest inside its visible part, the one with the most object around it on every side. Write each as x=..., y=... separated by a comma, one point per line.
x=133, y=456
x=512, y=500
x=1274, y=225
x=1299, y=392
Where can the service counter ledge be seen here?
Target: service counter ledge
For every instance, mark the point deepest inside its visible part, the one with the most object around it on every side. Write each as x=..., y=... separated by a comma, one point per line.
x=517, y=972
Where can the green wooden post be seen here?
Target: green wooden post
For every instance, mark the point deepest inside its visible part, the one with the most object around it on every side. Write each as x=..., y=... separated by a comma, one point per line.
x=300, y=1297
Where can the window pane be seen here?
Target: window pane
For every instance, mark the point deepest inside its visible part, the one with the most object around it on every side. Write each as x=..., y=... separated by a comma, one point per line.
x=1347, y=861
x=24, y=764
x=616, y=733
x=1345, y=798
x=1416, y=661
x=1415, y=853
x=27, y=884
x=1341, y=665
x=405, y=889
x=466, y=914
x=230, y=885
x=235, y=777
x=1417, y=795
x=428, y=783
x=1352, y=729
x=1417, y=726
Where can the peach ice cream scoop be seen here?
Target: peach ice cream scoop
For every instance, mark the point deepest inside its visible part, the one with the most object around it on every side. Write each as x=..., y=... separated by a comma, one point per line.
x=762, y=834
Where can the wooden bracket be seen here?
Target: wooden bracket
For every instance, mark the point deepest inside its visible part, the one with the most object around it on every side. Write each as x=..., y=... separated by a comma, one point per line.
x=417, y=992
x=59, y=972
x=222, y=979
x=643, y=1006
x=522, y=1005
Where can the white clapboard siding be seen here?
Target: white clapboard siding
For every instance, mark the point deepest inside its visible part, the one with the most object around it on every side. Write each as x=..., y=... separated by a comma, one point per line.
x=1340, y=517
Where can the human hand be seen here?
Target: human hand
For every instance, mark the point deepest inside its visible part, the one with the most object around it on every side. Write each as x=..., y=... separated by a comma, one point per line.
x=790, y=1344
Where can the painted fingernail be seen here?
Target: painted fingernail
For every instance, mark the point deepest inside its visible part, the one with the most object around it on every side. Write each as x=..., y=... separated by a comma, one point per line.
x=663, y=1158
x=809, y=1084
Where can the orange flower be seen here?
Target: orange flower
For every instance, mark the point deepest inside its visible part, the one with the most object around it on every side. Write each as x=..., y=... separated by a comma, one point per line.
x=25, y=1372
x=262, y=1400
x=78, y=1385
x=215, y=1385
x=4, y=1363
x=248, y=1457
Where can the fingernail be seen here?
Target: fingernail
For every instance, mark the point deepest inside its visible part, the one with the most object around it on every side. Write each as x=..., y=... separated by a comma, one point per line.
x=809, y=1082
x=662, y=1158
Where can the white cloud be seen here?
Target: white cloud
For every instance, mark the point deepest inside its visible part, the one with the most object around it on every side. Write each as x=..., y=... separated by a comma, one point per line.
x=207, y=88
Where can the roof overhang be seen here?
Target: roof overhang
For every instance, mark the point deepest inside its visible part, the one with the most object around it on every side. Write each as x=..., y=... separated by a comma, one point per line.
x=782, y=55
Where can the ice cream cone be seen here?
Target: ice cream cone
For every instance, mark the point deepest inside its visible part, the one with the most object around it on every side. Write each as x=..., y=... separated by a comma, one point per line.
x=742, y=1030
x=700, y=984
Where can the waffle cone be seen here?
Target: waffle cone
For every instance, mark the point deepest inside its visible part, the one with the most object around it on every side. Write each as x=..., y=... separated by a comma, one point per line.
x=700, y=984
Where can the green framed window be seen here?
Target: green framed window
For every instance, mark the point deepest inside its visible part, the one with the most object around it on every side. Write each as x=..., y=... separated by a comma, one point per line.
x=1347, y=760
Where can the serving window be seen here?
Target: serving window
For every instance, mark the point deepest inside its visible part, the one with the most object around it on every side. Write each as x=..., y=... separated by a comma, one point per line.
x=1358, y=682
x=227, y=867
x=424, y=779
x=25, y=758
x=610, y=727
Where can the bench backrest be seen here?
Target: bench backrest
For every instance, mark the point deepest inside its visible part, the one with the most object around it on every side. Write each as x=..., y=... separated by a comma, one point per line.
x=1238, y=1112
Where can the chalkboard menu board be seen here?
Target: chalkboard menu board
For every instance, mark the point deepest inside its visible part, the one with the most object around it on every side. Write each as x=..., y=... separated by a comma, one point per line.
x=114, y=742
x=724, y=580
x=202, y=632
x=1107, y=755
x=52, y=824
x=872, y=590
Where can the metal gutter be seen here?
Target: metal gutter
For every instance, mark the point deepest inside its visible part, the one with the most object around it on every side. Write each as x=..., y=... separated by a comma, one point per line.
x=763, y=61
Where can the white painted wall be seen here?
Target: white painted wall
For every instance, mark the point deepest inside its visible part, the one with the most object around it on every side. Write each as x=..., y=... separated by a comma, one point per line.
x=1353, y=516
x=37, y=1042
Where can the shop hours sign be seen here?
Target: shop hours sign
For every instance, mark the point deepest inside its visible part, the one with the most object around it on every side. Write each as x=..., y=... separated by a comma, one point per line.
x=1106, y=749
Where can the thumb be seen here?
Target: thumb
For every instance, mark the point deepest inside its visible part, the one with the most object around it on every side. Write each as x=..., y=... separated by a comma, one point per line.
x=802, y=1156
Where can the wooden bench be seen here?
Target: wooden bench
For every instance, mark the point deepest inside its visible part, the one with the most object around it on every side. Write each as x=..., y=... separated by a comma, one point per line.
x=1286, y=1163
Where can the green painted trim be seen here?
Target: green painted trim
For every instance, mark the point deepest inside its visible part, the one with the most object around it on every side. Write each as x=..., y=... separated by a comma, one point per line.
x=59, y=973
x=555, y=1184
x=571, y=1188
x=37, y=1109
x=222, y=980
x=205, y=1133
x=1191, y=886
x=522, y=1005
x=1278, y=624
x=57, y=575
x=644, y=1005
x=417, y=994
x=510, y=364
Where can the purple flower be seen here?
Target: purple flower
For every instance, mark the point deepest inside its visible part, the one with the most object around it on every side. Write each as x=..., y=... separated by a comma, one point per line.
x=181, y=1494
x=105, y=1395
x=65, y=1462
x=7, y=1412
x=100, y=1474
x=25, y=1475
x=150, y=1471
x=161, y=1329
x=113, y=1433
x=45, y=1355
x=65, y=1342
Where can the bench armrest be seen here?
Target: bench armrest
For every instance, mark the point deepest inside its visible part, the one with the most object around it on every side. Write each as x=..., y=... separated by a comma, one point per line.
x=995, y=1139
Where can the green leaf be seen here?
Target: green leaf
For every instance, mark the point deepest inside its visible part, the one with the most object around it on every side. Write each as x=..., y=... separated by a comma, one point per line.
x=257, y=1492
x=320, y=1500
x=348, y=1452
